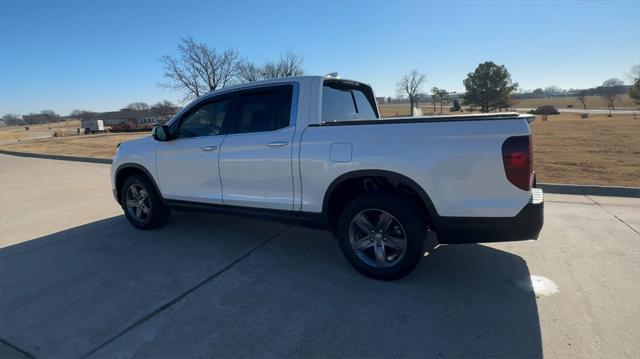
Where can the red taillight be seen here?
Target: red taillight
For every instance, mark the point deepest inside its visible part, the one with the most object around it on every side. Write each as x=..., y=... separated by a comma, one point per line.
x=517, y=157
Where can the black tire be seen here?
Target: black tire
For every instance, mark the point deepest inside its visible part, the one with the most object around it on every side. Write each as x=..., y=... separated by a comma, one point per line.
x=158, y=213
x=407, y=219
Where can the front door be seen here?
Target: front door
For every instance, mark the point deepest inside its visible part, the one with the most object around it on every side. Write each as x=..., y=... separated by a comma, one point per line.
x=256, y=157
x=188, y=165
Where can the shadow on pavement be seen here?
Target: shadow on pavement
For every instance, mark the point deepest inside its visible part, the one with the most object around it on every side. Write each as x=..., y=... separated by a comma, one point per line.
x=89, y=287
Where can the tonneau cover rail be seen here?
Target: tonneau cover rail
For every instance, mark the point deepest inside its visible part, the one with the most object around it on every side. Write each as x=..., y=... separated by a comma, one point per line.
x=445, y=118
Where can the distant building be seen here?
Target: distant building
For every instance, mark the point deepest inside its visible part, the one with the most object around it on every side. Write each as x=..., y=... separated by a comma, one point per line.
x=381, y=100
x=147, y=118
x=36, y=119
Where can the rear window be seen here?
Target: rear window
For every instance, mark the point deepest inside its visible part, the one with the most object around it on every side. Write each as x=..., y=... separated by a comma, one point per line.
x=345, y=101
x=265, y=109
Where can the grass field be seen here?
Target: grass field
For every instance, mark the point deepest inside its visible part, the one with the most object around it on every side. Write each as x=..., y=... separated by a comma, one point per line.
x=18, y=133
x=592, y=102
x=95, y=146
x=402, y=109
x=598, y=150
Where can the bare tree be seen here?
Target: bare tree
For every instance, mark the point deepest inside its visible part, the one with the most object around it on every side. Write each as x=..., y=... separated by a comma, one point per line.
x=11, y=119
x=81, y=114
x=289, y=65
x=634, y=91
x=200, y=68
x=634, y=73
x=551, y=91
x=249, y=72
x=443, y=97
x=610, y=92
x=582, y=97
x=50, y=115
x=164, y=108
x=435, y=92
x=410, y=85
x=538, y=93
x=137, y=106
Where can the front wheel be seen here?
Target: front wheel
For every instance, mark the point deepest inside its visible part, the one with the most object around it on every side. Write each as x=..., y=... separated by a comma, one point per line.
x=382, y=235
x=142, y=204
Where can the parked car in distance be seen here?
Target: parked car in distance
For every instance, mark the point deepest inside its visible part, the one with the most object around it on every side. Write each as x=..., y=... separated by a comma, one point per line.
x=314, y=151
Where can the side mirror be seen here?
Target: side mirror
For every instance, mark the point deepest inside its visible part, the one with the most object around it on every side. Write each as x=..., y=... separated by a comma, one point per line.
x=160, y=133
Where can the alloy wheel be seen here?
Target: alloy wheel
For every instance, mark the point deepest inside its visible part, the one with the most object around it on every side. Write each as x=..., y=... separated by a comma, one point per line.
x=377, y=238
x=138, y=202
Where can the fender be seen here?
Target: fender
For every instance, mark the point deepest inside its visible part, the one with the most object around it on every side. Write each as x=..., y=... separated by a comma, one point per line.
x=433, y=214
x=139, y=167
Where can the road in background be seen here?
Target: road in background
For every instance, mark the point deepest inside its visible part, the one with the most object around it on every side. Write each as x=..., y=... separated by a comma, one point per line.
x=590, y=111
x=76, y=279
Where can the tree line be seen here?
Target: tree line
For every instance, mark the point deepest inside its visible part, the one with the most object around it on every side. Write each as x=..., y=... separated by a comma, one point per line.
x=163, y=108
x=490, y=88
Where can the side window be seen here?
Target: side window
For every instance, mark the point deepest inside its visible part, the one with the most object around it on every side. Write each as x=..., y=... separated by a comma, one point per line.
x=210, y=119
x=264, y=110
x=345, y=103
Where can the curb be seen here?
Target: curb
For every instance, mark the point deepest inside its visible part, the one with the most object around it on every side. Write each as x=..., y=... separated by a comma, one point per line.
x=557, y=188
x=57, y=157
x=613, y=191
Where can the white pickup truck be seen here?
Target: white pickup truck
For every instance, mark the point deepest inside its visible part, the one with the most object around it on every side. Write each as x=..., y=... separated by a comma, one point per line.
x=314, y=151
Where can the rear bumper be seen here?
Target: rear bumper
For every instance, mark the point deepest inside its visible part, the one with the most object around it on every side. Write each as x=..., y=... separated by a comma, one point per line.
x=525, y=225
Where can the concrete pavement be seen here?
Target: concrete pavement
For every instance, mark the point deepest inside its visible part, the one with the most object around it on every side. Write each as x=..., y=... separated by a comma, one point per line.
x=40, y=197
x=77, y=281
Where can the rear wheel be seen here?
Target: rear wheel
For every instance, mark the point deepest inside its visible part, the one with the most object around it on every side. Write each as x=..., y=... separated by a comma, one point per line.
x=382, y=234
x=142, y=204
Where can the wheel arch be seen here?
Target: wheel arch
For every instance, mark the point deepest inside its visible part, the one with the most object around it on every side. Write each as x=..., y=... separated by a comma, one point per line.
x=344, y=179
x=125, y=171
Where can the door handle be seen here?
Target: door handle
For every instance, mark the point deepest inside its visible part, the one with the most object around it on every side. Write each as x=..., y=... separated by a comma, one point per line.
x=209, y=148
x=278, y=144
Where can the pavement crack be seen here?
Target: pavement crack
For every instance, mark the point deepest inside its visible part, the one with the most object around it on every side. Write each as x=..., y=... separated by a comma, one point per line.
x=20, y=350
x=570, y=202
x=180, y=297
x=614, y=215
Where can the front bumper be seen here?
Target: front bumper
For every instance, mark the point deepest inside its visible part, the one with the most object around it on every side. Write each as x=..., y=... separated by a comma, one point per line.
x=526, y=225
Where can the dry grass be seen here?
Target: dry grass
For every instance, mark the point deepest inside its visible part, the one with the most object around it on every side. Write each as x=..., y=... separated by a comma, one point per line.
x=95, y=146
x=598, y=150
x=592, y=102
x=18, y=133
x=402, y=109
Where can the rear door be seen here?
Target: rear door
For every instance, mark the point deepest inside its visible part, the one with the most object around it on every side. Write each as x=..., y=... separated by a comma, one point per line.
x=256, y=156
x=188, y=165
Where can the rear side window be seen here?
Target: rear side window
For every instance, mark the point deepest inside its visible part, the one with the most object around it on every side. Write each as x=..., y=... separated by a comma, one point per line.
x=347, y=102
x=265, y=109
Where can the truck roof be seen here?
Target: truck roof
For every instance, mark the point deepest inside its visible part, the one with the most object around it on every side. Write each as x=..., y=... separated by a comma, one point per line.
x=306, y=78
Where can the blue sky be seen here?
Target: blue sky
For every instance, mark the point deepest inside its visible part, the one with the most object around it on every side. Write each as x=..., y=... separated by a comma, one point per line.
x=101, y=55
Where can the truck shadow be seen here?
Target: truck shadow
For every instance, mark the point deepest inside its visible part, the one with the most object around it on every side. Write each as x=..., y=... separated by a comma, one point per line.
x=199, y=287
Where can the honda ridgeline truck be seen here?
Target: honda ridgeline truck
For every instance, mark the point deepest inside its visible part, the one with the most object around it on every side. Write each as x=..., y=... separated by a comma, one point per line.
x=314, y=151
